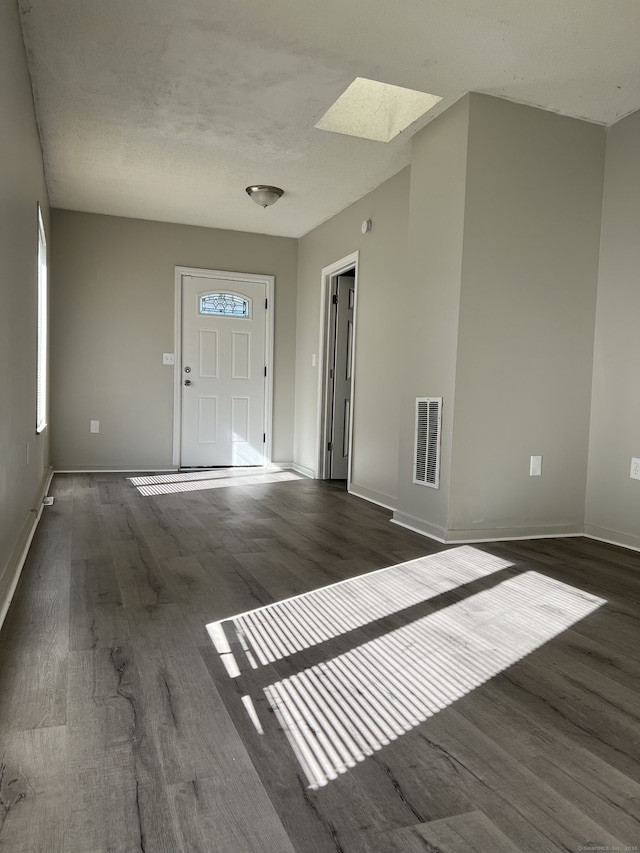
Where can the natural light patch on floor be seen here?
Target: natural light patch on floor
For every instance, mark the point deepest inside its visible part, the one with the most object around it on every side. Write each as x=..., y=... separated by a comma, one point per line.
x=167, y=484
x=338, y=712
x=286, y=627
x=187, y=476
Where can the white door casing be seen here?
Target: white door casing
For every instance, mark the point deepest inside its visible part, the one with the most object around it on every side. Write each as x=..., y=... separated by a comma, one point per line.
x=327, y=329
x=223, y=369
x=342, y=369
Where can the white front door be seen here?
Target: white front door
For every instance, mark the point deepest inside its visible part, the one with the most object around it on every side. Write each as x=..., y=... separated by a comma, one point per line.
x=223, y=370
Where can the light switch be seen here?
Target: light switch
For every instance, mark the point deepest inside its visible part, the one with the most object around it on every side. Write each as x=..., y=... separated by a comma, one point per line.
x=168, y=358
x=94, y=426
x=535, y=468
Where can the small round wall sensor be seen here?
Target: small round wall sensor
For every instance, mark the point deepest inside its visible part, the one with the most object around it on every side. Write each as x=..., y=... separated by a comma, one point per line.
x=366, y=226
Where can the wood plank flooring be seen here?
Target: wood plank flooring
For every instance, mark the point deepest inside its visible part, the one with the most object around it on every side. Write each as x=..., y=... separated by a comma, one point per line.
x=266, y=665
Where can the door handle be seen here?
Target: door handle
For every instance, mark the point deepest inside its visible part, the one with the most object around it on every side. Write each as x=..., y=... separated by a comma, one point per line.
x=188, y=382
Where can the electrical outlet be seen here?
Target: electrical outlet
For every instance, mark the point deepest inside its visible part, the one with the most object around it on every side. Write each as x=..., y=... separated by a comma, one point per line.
x=94, y=426
x=635, y=469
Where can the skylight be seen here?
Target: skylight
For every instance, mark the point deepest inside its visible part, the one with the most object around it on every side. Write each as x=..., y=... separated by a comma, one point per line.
x=372, y=110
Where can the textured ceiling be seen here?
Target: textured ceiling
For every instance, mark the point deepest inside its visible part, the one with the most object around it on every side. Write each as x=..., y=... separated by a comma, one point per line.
x=168, y=109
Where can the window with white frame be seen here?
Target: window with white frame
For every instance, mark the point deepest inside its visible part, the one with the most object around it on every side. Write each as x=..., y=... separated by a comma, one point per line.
x=41, y=370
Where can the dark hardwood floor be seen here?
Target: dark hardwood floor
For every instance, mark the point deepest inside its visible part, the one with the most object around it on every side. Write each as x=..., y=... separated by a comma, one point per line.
x=264, y=664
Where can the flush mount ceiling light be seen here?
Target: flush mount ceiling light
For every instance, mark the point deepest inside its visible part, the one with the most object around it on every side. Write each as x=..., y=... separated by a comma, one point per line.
x=372, y=110
x=264, y=195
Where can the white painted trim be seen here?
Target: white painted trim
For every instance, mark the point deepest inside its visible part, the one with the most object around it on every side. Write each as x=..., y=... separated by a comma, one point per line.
x=633, y=543
x=302, y=469
x=377, y=498
x=349, y=262
x=280, y=466
x=24, y=550
x=269, y=282
x=467, y=537
x=116, y=470
x=418, y=526
x=177, y=368
x=517, y=538
x=270, y=361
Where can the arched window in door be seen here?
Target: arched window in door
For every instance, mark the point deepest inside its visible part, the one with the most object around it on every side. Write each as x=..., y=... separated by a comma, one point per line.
x=225, y=305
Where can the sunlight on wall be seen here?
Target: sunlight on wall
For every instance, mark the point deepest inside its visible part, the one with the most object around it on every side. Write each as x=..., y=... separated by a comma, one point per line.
x=338, y=712
x=166, y=484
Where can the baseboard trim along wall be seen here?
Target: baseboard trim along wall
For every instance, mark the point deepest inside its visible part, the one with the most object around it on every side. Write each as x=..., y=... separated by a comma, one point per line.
x=419, y=526
x=378, y=498
x=271, y=466
x=12, y=571
x=612, y=537
x=302, y=469
x=470, y=537
x=499, y=536
x=116, y=470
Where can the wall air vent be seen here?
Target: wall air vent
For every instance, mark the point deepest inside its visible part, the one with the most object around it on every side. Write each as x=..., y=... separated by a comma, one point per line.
x=426, y=459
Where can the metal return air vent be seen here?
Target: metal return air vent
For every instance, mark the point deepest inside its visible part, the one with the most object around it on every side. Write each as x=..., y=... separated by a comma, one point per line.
x=426, y=458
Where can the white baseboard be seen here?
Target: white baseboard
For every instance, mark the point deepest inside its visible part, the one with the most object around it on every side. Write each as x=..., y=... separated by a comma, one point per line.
x=612, y=537
x=417, y=525
x=475, y=537
x=19, y=555
x=497, y=536
x=374, y=497
x=302, y=469
x=116, y=470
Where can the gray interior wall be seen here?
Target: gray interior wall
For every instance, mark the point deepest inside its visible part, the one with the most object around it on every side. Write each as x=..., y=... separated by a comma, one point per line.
x=525, y=340
x=613, y=499
x=113, y=283
x=429, y=327
x=380, y=308
x=21, y=188
x=515, y=308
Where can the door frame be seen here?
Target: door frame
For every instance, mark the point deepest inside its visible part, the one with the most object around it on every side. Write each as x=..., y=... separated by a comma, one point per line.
x=237, y=277
x=329, y=273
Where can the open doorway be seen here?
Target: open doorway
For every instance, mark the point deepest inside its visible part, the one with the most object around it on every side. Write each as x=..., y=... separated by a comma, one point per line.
x=337, y=379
